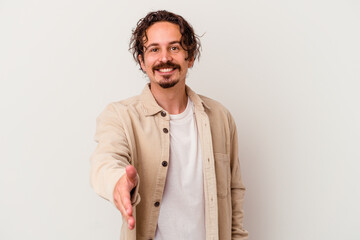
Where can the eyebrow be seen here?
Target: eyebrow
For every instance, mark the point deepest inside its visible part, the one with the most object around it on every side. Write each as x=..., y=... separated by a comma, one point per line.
x=156, y=44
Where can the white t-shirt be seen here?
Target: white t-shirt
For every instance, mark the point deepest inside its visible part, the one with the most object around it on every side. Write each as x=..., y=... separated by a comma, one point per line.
x=182, y=209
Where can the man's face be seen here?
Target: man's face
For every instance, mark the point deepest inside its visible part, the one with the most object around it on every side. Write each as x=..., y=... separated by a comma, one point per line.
x=164, y=58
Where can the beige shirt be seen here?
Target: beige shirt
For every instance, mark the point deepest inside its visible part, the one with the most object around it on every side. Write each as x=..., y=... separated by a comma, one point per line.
x=136, y=131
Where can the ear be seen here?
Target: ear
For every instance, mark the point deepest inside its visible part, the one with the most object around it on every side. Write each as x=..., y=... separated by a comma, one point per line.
x=191, y=62
x=142, y=64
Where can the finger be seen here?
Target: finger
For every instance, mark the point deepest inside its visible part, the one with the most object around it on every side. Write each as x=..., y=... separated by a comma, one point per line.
x=125, y=201
x=127, y=211
x=131, y=223
x=131, y=175
x=128, y=218
x=119, y=205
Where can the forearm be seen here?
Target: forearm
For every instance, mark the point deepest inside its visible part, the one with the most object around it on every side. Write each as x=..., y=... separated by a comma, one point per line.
x=105, y=171
x=237, y=188
x=112, y=154
x=237, y=200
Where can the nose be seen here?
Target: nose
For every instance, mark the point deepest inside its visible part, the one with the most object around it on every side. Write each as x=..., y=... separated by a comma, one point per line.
x=165, y=56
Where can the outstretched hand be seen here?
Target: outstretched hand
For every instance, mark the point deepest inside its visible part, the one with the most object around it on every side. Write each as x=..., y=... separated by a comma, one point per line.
x=122, y=196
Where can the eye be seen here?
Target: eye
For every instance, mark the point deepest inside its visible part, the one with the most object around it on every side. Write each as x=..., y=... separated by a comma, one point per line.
x=154, y=50
x=174, y=48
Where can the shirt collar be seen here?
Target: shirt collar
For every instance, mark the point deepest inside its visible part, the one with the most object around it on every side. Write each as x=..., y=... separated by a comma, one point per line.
x=151, y=107
x=196, y=99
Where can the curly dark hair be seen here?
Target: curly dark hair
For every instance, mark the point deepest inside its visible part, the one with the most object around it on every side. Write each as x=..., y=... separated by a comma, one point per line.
x=189, y=40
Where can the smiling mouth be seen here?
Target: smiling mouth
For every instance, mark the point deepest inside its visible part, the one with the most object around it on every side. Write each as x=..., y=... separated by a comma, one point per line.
x=165, y=70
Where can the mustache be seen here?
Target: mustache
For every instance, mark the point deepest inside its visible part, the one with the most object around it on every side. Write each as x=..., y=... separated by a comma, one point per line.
x=167, y=64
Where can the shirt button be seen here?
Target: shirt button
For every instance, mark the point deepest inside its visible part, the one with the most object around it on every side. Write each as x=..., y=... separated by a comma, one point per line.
x=163, y=114
x=156, y=204
x=164, y=163
x=165, y=130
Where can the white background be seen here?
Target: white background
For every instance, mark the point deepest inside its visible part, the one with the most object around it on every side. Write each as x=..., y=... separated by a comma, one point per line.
x=287, y=70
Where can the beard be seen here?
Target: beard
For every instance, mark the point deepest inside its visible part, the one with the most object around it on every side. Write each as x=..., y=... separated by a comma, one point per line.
x=167, y=83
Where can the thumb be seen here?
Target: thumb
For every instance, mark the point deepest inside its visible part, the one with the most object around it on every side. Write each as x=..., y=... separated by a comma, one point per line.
x=131, y=175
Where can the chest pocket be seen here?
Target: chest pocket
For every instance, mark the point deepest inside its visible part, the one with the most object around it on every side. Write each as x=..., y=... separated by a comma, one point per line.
x=222, y=171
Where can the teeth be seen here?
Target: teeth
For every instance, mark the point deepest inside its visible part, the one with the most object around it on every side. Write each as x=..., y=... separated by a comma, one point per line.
x=165, y=69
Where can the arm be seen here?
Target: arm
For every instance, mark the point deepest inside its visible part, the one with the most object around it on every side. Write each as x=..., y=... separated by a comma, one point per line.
x=109, y=172
x=237, y=187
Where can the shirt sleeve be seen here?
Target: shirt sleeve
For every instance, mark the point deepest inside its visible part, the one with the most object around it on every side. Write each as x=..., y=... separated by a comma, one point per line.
x=111, y=156
x=237, y=187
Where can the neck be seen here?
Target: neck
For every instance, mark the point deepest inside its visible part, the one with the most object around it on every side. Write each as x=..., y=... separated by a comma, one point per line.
x=173, y=100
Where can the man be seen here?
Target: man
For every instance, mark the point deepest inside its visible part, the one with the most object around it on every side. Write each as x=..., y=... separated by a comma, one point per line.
x=173, y=148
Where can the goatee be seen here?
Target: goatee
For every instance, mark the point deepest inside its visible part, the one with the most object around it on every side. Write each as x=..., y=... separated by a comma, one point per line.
x=168, y=84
